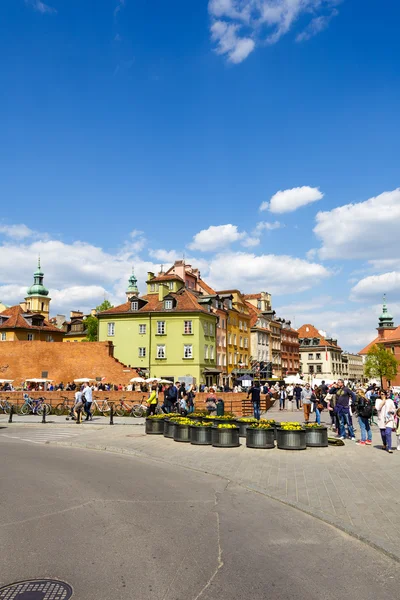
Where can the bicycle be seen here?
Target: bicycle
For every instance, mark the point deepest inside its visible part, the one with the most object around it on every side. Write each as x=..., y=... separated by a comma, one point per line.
x=34, y=407
x=63, y=407
x=5, y=406
x=103, y=409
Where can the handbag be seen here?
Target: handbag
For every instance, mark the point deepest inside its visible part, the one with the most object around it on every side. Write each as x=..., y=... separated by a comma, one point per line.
x=320, y=406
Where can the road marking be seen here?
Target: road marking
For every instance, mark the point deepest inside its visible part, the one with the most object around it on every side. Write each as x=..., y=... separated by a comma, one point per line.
x=42, y=437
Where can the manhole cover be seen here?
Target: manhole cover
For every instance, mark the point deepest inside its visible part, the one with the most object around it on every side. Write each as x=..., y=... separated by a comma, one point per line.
x=36, y=589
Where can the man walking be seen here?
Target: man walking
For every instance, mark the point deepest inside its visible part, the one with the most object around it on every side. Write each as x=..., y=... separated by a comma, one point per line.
x=344, y=397
x=306, y=398
x=297, y=394
x=255, y=392
x=87, y=394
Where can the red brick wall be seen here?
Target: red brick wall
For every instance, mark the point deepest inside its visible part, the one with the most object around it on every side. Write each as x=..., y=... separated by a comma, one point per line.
x=64, y=362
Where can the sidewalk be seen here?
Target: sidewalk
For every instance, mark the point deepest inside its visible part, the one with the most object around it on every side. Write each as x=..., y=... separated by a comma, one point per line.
x=355, y=488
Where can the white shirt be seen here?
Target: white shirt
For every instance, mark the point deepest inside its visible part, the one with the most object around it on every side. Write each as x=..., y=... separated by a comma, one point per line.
x=78, y=397
x=386, y=413
x=88, y=394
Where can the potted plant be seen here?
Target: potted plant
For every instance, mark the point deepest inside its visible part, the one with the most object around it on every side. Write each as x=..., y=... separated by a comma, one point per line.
x=155, y=424
x=260, y=435
x=316, y=435
x=225, y=435
x=273, y=423
x=198, y=415
x=243, y=423
x=200, y=433
x=182, y=430
x=170, y=422
x=291, y=436
x=225, y=419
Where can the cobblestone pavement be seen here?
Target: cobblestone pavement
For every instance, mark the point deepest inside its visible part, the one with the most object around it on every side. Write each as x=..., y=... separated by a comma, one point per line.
x=356, y=488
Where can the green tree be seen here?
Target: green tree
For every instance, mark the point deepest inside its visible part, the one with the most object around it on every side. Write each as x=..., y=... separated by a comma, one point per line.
x=92, y=322
x=380, y=363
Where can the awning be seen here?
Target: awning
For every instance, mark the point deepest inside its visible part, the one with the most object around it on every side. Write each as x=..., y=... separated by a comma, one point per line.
x=210, y=371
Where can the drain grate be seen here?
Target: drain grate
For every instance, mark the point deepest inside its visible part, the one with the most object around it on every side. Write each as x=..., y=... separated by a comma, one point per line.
x=36, y=589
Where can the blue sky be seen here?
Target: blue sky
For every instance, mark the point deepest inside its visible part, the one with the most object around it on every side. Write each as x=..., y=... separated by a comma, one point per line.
x=167, y=118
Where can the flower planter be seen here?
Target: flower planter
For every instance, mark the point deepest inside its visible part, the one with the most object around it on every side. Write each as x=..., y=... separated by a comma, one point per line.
x=260, y=438
x=276, y=427
x=317, y=437
x=291, y=439
x=218, y=421
x=182, y=433
x=243, y=425
x=200, y=436
x=225, y=438
x=169, y=428
x=154, y=426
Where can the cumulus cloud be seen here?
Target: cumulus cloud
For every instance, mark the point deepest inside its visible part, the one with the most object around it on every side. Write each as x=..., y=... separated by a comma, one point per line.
x=40, y=6
x=289, y=200
x=366, y=230
x=374, y=286
x=238, y=25
x=17, y=232
x=215, y=237
x=279, y=274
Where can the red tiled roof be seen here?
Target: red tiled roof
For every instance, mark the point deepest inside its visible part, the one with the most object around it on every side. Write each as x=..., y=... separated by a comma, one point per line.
x=252, y=296
x=165, y=277
x=309, y=331
x=17, y=321
x=206, y=287
x=186, y=301
x=254, y=313
x=391, y=337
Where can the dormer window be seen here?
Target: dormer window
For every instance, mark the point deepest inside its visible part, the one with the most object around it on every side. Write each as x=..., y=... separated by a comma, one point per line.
x=168, y=304
x=171, y=285
x=135, y=305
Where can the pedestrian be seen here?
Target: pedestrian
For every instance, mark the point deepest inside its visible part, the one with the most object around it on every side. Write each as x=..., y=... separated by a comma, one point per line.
x=211, y=402
x=255, y=392
x=87, y=396
x=297, y=395
x=344, y=397
x=152, y=401
x=78, y=400
x=183, y=406
x=306, y=399
x=282, y=397
x=398, y=428
x=364, y=412
x=190, y=398
x=386, y=413
x=289, y=395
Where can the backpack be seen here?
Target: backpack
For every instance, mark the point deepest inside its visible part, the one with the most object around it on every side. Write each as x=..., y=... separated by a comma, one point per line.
x=365, y=409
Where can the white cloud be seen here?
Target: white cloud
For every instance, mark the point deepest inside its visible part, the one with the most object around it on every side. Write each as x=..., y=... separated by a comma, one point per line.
x=366, y=230
x=166, y=256
x=40, y=6
x=374, y=286
x=237, y=25
x=266, y=226
x=251, y=242
x=289, y=200
x=279, y=274
x=17, y=232
x=228, y=42
x=215, y=237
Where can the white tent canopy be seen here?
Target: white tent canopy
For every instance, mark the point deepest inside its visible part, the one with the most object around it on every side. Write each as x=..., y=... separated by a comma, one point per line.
x=38, y=380
x=83, y=380
x=137, y=380
x=151, y=379
x=6, y=380
x=293, y=379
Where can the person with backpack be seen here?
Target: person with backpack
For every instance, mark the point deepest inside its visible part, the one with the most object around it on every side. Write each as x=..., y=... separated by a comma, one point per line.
x=255, y=393
x=364, y=412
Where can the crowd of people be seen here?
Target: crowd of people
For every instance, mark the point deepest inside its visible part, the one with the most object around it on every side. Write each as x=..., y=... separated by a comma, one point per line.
x=344, y=404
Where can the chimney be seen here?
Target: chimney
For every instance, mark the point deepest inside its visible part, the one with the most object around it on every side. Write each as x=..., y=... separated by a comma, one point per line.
x=150, y=275
x=75, y=313
x=162, y=291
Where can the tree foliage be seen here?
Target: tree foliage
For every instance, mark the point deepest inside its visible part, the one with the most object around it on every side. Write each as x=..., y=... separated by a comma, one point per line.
x=92, y=322
x=105, y=305
x=380, y=363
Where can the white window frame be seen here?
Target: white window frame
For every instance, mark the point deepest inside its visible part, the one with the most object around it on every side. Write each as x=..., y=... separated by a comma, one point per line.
x=311, y=356
x=211, y=329
x=187, y=351
x=206, y=351
x=245, y=326
x=161, y=351
x=171, y=285
x=211, y=352
x=240, y=325
x=246, y=342
x=161, y=328
x=135, y=305
x=142, y=352
x=168, y=304
x=240, y=342
x=3, y=336
x=110, y=329
x=142, y=329
x=152, y=287
x=31, y=337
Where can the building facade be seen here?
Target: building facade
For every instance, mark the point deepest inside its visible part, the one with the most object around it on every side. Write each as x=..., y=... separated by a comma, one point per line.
x=320, y=357
x=353, y=367
x=238, y=334
x=167, y=333
x=290, y=350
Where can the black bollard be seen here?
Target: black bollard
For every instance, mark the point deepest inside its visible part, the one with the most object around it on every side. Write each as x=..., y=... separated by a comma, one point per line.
x=44, y=414
x=112, y=415
x=11, y=413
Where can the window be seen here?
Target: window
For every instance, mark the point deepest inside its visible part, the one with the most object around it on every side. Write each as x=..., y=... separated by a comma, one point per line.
x=3, y=336
x=240, y=325
x=206, y=352
x=168, y=304
x=310, y=356
x=259, y=304
x=161, y=350
x=245, y=326
x=135, y=305
x=241, y=342
x=319, y=369
x=171, y=285
x=230, y=358
x=218, y=359
x=110, y=328
x=211, y=329
x=49, y=338
x=142, y=329
x=235, y=359
x=30, y=337
x=223, y=323
x=188, y=351
x=211, y=352
x=161, y=328
x=240, y=358
x=142, y=352
x=223, y=341
x=234, y=339
x=229, y=338
x=311, y=369
x=246, y=342
x=318, y=356
x=205, y=328
x=188, y=329
x=152, y=287
x=224, y=360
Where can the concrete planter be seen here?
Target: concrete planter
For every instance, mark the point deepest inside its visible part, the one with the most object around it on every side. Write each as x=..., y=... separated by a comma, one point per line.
x=154, y=426
x=243, y=426
x=225, y=421
x=260, y=438
x=317, y=437
x=200, y=436
x=169, y=428
x=225, y=438
x=291, y=439
x=182, y=433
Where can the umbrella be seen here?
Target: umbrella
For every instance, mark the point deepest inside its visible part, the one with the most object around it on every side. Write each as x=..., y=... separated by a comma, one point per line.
x=37, y=380
x=6, y=380
x=83, y=380
x=245, y=378
x=293, y=379
x=150, y=379
x=137, y=380
x=165, y=381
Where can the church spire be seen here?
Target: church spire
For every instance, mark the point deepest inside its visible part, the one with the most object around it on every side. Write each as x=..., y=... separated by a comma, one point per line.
x=386, y=319
x=133, y=289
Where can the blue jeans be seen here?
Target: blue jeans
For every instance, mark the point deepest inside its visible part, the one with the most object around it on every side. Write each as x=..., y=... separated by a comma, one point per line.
x=344, y=419
x=88, y=410
x=256, y=408
x=386, y=435
x=365, y=429
x=317, y=415
x=282, y=403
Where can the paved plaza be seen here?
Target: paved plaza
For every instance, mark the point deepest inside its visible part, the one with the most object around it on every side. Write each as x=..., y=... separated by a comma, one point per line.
x=354, y=488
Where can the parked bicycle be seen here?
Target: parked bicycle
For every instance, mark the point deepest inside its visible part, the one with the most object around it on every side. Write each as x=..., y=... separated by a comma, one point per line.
x=64, y=407
x=5, y=405
x=101, y=407
x=34, y=406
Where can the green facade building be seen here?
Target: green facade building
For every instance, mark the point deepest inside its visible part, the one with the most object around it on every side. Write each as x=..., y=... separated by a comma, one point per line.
x=168, y=333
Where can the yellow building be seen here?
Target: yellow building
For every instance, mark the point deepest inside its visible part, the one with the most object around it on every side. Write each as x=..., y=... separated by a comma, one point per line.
x=18, y=324
x=238, y=333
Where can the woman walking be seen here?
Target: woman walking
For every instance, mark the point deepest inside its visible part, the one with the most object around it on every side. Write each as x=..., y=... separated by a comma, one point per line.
x=386, y=411
x=152, y=401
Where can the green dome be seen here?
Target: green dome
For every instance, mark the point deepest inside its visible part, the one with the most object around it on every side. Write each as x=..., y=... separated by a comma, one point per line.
x=386, y=319
x=132, y=284
x=38, y=289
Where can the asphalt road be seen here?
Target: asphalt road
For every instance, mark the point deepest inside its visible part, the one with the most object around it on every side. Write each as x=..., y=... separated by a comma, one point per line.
x=121, y=527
